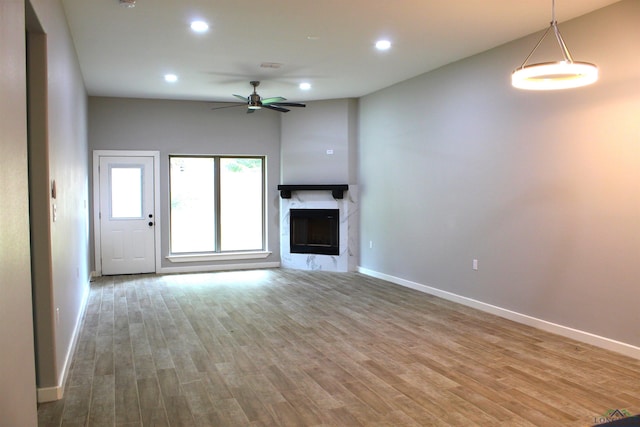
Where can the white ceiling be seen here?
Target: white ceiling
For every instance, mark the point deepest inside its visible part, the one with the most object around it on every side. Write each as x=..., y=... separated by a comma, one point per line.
x=125, y=52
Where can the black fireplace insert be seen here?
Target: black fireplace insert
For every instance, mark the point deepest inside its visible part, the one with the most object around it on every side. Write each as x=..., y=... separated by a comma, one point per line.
x=315, y=231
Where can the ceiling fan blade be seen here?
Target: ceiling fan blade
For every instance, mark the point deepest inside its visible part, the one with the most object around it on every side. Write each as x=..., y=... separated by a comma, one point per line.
x=244, y=98
x=250, y=110
x=276, y=108
x=228, y=106
x=289, y=104
x=267, y=101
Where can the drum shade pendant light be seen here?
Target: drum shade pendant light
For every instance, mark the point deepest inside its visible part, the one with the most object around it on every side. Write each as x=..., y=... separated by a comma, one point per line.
x=563, y=74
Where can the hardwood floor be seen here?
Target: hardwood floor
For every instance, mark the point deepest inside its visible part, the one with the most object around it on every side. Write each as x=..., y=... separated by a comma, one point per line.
x=290, y=348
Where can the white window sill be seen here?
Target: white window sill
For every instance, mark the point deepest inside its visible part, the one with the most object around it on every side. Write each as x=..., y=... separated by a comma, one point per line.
x=219, y=257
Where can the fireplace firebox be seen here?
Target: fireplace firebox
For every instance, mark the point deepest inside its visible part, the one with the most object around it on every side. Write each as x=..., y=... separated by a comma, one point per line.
x=314, y=231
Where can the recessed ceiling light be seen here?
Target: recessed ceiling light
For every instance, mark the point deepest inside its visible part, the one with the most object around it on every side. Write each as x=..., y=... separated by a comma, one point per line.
x=199, y=26
x=170, y=78
x=305, y=86
x=383, y=44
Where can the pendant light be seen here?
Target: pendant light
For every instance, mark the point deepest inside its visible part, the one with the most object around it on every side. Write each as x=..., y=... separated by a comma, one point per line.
x=563, y=74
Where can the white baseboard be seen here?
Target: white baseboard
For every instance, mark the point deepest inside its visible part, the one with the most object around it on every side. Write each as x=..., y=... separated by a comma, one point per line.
x=217, y=267
x=578, y=335
x=210, y=268
x=50, y=394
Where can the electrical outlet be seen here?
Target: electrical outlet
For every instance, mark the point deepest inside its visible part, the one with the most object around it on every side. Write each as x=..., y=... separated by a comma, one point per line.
x=370, y=244
x=475, y=264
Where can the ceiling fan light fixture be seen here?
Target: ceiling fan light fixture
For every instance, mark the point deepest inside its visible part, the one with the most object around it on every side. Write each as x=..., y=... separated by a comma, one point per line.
x=128, y=3
x=565, y=74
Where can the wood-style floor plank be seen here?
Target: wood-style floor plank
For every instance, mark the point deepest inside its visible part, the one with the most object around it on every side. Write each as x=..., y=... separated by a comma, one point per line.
x=291, y=348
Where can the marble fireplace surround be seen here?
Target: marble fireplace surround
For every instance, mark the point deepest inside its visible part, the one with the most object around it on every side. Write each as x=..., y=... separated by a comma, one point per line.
x=341, y=197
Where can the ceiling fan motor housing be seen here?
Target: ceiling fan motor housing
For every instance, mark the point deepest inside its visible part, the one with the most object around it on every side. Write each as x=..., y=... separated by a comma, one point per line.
x=254, y=101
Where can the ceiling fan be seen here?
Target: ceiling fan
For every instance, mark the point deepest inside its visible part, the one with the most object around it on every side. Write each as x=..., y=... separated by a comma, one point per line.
x=256, y=102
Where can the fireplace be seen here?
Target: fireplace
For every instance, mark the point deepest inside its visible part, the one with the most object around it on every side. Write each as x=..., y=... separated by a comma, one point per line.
x=314, y=231
x=318, y=227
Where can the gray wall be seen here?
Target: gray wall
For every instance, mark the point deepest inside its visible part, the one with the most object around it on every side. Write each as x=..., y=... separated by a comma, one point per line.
x=189, y=127
x=295, y=145
x=18, y=394
x=308, y=133
x=542, y=188
x=61, y=282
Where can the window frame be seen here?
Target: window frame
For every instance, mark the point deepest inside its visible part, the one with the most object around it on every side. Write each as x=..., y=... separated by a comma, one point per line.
x=218, y=254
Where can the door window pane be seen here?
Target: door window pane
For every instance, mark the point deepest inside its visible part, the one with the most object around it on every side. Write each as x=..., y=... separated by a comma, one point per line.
x=241, y=204
x=126, y=192
x=193, y=215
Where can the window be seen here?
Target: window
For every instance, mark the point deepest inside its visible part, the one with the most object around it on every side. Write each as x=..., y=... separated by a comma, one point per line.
x=217, y=204
x=126, y=191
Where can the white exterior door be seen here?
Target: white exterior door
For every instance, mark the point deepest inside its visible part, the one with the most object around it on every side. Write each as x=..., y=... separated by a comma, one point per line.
x=127, y=214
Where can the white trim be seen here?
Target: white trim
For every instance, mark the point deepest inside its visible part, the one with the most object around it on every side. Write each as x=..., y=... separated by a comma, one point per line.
x=96, y=200
x=218, y=256
x=565, y=331
x=218, y=267
x=51, y=394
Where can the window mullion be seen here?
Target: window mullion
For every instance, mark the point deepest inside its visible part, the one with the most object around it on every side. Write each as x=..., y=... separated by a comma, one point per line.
x=264, y=203
x=218, y=221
